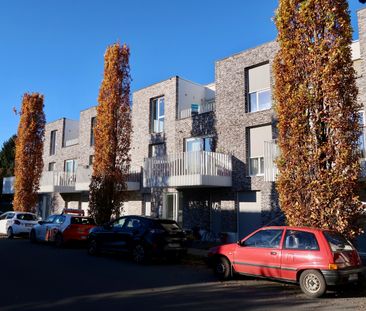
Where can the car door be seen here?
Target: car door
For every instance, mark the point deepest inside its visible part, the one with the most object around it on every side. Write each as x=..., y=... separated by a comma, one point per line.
x=111, y=237
x=42, y=229
x=300, y=249
x=260, y=253
x=131, y=232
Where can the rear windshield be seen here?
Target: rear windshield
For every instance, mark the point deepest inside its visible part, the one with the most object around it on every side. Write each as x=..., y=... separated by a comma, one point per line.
x=82, y=221
x=28, y=217
x=337, y=242
x=169, y=225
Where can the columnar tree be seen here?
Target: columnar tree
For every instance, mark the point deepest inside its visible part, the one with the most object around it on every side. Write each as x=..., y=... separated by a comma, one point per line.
x=28, y=152
x=112, y=136
x=318, y=121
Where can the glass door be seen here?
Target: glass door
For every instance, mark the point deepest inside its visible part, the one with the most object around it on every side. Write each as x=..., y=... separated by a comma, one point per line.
x=171, y=208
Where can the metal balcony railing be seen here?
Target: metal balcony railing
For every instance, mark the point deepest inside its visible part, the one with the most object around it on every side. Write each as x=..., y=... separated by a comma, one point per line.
x=186, y=169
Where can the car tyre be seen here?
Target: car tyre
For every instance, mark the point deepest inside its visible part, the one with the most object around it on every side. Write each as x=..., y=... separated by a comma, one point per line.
x=32, y=237
x=222, y=268
x=93, y=248
x=139, y=254
x=312, y=283
x=59, y=240
x=10, y=233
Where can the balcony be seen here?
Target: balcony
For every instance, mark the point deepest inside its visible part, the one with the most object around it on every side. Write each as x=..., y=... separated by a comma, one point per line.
x=83, y=178
x=53, y=181
x=207, y=106
x=188, y=169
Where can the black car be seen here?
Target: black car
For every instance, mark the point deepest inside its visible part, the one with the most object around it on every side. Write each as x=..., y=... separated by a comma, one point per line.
x=143, y=237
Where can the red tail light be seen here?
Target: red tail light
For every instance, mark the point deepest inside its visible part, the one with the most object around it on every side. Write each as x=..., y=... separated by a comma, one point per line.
x=16, y=222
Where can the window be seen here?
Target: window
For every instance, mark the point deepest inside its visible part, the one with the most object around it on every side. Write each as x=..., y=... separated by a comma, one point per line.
x=29, y=217
x=258, y=85
x=337, y=242
x=199, y=144
x=10, y=215
x=71, y=166
x=119, y=223
x=157, y=150
x=60, y=219
x=300, y=240
x=53, y=143
x=133, y=224
x=51, y=166
x=92, y=126
x=50, y=219
x=257, y=137
x=91, y=159
x=157, y=115
x=270, y=238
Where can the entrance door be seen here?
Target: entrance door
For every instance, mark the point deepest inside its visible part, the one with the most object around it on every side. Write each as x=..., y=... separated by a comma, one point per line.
x=171, y=208
x=250, y=213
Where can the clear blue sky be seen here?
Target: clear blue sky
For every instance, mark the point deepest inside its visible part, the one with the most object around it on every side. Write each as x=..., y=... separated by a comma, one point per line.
x=56, y=47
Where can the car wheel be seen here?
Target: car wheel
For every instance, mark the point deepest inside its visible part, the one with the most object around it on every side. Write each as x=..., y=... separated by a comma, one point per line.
x=312, y=283
x=59, y=240
x=222, y=268
x=139, y=254
x=32, y=237
x=10, y=233
x=93, y=248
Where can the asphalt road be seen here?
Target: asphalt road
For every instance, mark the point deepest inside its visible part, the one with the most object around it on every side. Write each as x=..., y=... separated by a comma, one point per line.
x=42, y=277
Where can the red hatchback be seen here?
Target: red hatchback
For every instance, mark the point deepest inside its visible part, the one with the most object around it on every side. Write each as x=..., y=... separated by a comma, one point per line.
x=314, y=258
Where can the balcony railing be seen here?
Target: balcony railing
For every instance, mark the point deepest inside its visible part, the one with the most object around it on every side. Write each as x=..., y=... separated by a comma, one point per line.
x=207, y=106
x=188, y=169
x=83, y=178
x=53, y=181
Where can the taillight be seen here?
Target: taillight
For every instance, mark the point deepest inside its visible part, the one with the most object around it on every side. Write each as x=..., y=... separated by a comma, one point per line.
x=16, y=222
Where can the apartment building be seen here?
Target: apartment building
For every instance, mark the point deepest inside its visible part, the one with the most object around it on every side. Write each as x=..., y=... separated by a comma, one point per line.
x=201, y=154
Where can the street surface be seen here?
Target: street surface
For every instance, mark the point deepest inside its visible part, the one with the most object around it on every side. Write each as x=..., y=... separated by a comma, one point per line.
x=42, y=277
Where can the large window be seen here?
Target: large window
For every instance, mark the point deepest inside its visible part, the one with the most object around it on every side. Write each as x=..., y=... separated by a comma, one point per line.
x=53, y=142
x=259, y=92
x=257, y=137
x=157, y=115
x=199, y=144
x=92, y=126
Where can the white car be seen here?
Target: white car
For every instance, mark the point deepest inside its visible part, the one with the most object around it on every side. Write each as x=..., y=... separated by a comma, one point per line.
x=17, y=223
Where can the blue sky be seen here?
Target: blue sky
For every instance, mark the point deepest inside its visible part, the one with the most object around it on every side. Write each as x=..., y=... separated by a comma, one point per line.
x=57, y=47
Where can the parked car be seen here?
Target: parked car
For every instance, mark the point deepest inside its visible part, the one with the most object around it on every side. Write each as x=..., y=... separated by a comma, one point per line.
x=17, y=223
x=143, y=237
x=71, y=225
x=313, y=258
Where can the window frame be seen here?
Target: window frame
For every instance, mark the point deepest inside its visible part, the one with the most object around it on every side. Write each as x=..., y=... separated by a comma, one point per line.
x=155, y=114
x=53, y=137
x=243, y=242
x=259, y=166
x=300, y=249
x=257, y=100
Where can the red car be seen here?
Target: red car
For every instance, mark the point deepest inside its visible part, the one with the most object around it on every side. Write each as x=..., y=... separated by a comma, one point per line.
x=313, y=258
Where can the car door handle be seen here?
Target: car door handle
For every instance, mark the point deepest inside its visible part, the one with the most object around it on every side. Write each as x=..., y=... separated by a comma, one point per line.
x=273, y=253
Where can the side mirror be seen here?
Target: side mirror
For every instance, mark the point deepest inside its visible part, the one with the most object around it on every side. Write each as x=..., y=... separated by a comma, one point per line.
x=240, y=243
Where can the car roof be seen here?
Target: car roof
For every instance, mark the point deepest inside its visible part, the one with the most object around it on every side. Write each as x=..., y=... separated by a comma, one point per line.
x=302, y=228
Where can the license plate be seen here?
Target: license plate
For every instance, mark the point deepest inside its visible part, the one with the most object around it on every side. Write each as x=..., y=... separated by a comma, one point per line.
x=173, y=245
x=353, y=277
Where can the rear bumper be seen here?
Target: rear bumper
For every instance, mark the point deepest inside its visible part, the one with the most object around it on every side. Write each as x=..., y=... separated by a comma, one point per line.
x=338, y=277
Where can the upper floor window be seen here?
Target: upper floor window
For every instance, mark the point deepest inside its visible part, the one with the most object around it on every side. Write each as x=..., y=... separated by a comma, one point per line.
x=157, y=150
x=259, y=92
x=92, y=126
x=157, y=115
x=51, y=166
x=257, y=137
x=53, y=142
x=199, y=144
x=71, y=166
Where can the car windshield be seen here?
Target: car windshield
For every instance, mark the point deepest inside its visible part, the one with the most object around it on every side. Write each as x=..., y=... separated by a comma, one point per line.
x=82, y=221
x=169, y=225
x=337, y=242
x=29, y=217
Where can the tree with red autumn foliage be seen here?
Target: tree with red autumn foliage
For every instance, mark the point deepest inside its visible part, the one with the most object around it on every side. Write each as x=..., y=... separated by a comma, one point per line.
x=318, y=120
x=112, y=136
x=28, y=153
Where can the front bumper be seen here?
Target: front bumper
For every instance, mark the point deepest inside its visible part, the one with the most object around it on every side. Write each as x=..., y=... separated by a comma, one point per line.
x=338, y=277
